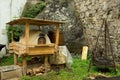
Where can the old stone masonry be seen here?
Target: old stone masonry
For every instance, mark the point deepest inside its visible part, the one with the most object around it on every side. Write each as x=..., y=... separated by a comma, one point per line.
x=91, y=12
x=83, y=21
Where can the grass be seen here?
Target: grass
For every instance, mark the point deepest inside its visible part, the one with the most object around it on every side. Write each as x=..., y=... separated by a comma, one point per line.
x=7, y=61
x=78, y=71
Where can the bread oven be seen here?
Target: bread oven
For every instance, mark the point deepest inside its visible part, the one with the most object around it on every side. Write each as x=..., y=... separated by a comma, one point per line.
x=28, y=43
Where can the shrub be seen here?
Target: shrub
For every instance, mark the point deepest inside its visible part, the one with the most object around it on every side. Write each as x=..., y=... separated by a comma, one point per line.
x=17, y=30
x=34, y=10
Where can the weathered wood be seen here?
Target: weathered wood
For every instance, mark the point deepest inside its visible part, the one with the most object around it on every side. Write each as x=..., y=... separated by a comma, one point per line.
x=12, y=71
x=57, y=35
x=15, y=59
x=11, y=47
x=24, y=65
x=34, y=21
x=27, y=27
x=46, y=63
x=41, y=50
x=34, y=49
x=84, y=52
x=39, y=74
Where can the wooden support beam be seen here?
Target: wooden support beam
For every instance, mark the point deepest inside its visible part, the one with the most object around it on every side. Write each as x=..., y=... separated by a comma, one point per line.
x=15, y=59
x=46, y=63
x=27, y=28
x=57, y=34
x=24, y=65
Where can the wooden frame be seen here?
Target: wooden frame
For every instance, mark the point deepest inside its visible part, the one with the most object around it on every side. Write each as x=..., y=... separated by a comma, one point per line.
x=33, y=50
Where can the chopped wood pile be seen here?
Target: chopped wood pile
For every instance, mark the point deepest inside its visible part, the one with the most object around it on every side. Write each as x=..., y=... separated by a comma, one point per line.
x=36, y=67
x=37, y=71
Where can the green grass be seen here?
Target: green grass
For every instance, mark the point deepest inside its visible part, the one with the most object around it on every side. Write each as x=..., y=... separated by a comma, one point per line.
x=10, y=60
x=7, y=61
x=78, y=71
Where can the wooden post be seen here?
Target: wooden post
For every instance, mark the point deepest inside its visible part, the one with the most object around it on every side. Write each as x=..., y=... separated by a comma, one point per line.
x=15, y=59
x=84, y=52
x=46, y=63
x=12, y=40
x=57, y=35
x=27, y=27
x=27, y=42
x=24, y=65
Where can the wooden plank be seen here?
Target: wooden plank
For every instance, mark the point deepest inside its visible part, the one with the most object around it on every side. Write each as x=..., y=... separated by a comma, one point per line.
x=41, y=50
x=38, y=54
x=84, y=52
x=43, y=45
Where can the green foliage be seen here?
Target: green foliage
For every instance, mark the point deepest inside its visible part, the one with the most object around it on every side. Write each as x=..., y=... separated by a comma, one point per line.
x=33, y=10
x=7, y=61
x=25, y=78
x=10, y=60
x=17, y=30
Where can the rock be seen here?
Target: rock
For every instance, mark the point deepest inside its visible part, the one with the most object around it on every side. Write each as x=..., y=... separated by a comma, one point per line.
x=101, y=1
x=88, y=2
x=84, y=18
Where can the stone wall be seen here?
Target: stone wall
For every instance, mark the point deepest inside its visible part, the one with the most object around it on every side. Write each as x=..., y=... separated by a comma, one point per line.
x=83, y=21
x=91, y=13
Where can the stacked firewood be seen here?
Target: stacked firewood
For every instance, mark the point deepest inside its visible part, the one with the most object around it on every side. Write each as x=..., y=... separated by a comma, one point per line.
x=37, y=71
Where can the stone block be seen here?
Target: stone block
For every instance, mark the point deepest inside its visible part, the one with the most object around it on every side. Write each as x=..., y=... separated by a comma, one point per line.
x=8, y=72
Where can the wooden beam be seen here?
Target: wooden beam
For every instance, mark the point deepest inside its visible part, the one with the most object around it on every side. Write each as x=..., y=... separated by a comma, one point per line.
x=46, y=63
x=41, y=50
x=27, y=28
x=15, y=59
x=57, y=34
x=24, y=65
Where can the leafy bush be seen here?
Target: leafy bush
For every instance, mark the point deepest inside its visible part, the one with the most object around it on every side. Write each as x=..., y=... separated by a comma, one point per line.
x=34, y=10
x=17, y=30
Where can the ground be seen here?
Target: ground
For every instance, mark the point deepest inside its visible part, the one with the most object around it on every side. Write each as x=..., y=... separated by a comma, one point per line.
x=78, y=71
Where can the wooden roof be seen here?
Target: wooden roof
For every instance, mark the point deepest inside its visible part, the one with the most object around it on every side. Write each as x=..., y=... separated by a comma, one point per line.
x=33, y=21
